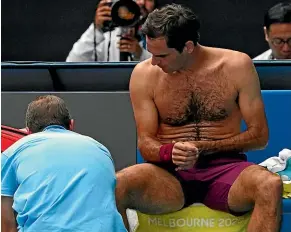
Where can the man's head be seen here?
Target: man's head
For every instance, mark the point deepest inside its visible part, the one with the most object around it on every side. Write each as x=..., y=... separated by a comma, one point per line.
x=172, y=34
x=45, y=111
x=278, y=30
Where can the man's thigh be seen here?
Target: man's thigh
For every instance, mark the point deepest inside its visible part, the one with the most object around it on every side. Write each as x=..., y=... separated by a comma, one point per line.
x=151, y=189
x=223, y=177
x=241, y=196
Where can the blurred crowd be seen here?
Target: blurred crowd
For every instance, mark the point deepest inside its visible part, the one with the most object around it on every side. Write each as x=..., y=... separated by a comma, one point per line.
x=125, y=43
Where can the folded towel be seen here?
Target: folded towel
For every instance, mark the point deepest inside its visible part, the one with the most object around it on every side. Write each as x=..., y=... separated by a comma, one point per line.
x=286, y=173
x=276, y=164
x=132, y=220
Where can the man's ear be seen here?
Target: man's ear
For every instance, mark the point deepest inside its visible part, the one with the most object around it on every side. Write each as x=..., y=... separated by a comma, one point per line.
x=189, y=47
x=72, y=125
x=266, y=34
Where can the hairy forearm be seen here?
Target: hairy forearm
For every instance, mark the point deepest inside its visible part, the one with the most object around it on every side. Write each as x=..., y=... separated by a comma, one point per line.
x=149, y=148
x=252, y=139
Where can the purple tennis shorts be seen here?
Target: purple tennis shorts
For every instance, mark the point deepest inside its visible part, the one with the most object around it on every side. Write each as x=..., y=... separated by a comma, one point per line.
x=209, y=181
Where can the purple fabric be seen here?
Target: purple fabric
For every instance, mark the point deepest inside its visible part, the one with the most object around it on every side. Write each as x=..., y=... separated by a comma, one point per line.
x=210, y=180
x=215, y=179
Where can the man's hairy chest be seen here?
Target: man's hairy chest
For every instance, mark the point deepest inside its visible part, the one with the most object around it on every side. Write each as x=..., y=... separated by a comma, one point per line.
x=195, y=99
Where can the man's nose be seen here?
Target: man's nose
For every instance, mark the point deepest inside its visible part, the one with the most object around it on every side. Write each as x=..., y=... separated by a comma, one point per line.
x=286, y=47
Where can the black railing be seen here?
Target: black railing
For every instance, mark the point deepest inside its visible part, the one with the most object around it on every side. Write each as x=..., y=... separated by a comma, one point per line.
x=107, y=76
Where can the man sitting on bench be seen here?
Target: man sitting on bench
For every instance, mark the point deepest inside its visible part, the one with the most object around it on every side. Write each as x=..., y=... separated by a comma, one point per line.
x=189, y=101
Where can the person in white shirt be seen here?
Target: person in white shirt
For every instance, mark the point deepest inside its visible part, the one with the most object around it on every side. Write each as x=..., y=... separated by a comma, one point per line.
x=277, y=28
x=107, y=45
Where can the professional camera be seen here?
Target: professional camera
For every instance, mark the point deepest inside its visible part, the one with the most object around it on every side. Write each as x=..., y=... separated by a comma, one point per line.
x=124, y=13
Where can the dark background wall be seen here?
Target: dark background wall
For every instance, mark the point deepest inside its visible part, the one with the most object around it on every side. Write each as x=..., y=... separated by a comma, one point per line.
x=46, y=30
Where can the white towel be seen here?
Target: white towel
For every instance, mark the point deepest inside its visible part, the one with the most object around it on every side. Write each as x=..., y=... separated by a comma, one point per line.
x=132, y=219
x=277, y=164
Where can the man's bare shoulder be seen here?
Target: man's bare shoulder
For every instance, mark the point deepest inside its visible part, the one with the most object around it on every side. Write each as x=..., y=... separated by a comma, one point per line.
x=145, y=70
x=239, y=66
x=230, y=60
x=144, y=77
x=234, y=59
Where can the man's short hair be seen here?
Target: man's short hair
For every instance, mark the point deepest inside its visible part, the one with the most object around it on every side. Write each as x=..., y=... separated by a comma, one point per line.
x=45, y=111
x=280, y=13
x=178, y=24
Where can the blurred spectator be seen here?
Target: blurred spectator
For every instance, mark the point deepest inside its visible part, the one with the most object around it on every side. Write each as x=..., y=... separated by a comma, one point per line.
x=277, y=28
x=107, y=45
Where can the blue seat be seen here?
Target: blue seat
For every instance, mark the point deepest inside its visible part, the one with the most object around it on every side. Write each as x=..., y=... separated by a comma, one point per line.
x=278, y=113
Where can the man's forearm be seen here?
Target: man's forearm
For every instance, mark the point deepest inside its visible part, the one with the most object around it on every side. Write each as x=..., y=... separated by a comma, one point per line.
x=8, y=223
x=8, y=228
x=246, y=141
x=149, y=148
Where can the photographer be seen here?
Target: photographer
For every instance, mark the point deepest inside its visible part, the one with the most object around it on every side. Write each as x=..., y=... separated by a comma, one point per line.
x=111, y=45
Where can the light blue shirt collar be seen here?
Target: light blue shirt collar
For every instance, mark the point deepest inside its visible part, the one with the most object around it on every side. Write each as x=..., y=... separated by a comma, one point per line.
x=53, y=127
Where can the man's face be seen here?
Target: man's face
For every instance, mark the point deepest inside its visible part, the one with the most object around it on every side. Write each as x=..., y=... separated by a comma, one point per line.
x=146, y=6
x=279, y=39
x=168, y=59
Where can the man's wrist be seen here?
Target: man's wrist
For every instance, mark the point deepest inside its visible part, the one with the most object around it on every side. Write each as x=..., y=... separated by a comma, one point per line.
x=166, y=152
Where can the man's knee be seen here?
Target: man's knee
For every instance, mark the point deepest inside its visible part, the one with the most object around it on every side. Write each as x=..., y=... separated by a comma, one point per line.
x=131, y=177
x=270, y=185
x=147, y=186
x=123, y=184
x=128, y=181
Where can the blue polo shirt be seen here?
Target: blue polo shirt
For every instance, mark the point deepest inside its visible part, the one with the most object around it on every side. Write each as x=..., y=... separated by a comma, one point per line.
x=61, y=181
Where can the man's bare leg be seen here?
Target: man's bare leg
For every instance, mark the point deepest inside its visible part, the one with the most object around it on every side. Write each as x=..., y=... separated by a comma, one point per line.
x=148, y=189
x=261, y=190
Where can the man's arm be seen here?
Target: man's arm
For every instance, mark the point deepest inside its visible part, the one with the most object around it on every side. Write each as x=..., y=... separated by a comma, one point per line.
x=83, y=49
x=8, y=223
x=145, y=112
x=252, y=110
x=8, y=187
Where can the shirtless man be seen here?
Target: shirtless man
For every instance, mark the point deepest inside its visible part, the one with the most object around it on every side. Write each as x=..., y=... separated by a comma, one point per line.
x=188, y=103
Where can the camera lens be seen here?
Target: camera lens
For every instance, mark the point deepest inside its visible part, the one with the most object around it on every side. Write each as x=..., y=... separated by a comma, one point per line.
x=125, y=13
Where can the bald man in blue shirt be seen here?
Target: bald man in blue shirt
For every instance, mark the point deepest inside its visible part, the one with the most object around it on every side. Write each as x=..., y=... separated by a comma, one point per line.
x=56, y=179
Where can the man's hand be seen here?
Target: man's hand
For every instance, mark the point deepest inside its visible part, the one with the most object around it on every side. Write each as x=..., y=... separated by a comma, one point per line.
x=131, y=45
x=184, y=155
x=103, y=13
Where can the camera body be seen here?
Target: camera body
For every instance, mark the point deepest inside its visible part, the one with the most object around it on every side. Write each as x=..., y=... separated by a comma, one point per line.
x=124, y=13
